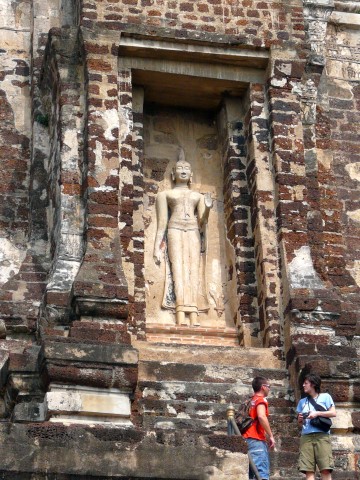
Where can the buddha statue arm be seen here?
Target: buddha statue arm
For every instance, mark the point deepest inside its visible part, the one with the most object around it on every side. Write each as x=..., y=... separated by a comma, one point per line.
x=162, y=220
x=204, y=206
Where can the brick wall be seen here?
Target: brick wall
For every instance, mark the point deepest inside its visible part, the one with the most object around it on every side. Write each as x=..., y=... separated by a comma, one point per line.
x=252, y=24
x=72, y=187
x=343, y=264
x=256, y=23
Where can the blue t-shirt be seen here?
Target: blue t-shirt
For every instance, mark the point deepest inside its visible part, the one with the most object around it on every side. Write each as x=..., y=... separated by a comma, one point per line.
x=324, y=399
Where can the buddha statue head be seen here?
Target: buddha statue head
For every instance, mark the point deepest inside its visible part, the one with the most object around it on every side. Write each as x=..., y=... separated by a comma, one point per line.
x=181, y=172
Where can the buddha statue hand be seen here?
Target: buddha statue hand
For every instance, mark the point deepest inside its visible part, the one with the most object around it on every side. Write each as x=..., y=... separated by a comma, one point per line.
x=157, y=256
x=208, y=200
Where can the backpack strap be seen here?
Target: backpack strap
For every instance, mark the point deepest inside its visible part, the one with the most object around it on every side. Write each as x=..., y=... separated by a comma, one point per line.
x=318, y=408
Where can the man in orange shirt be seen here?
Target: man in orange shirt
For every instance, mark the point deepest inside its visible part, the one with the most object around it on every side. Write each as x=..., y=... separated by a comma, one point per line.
x=259, y=436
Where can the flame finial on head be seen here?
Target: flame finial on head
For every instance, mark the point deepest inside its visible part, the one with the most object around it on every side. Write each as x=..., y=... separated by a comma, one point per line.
x=181, y=157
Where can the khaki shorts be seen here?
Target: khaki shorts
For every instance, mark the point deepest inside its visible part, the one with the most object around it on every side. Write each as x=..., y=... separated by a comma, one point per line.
x=315, y=449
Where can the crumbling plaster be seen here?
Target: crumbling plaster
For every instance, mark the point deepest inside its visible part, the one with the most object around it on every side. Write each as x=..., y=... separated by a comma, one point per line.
x=11, y=258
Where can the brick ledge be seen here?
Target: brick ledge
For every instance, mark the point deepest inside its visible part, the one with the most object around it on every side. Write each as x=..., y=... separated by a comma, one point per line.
x=158, y=332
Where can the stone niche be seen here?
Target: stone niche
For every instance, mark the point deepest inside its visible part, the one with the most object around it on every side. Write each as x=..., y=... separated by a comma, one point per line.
x=165, y=129
x=182, y=102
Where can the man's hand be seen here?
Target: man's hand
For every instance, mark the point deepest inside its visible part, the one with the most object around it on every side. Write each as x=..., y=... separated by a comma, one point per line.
x=264, y=422
x=271, y=442
x=313, y=414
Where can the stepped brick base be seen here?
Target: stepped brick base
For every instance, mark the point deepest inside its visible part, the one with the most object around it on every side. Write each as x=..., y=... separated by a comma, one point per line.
x=91, y=452
x=196, y=335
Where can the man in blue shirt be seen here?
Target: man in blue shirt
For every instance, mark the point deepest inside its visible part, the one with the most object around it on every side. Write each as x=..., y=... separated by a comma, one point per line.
x=315, y=446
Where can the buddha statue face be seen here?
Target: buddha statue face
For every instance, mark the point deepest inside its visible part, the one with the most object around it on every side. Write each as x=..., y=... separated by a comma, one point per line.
x=182, y=172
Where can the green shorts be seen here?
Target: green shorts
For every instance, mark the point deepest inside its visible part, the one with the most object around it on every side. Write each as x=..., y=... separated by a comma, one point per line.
x=315, y=449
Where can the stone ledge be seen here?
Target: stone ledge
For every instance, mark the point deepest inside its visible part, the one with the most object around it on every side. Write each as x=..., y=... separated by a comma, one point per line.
x=134, y=45
x=108, y=451
x=123, y=377
x=351, y=20
x=192, y=335
x=69, y=351
x=78, y=400
x=220, y=331
x=208, y=354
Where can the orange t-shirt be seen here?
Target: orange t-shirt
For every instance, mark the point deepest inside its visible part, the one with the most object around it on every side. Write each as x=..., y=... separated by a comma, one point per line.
x=256, y=430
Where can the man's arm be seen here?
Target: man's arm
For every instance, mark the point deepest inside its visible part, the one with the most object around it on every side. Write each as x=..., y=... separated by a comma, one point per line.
x=328, y=414
x=264, y=422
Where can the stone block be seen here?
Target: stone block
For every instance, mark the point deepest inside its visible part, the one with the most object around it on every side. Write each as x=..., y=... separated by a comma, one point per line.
x=84, y=352
x=62, y=399
x=2, y=329
x=356, y=391
x=232, y=443
x=285, y=459
x=352, y=20
x=104, y=451
x=108, y=308
x=100, y=335
x=355, y=417
x=30, y=383
x=4, y=367
x=343, y=421
x=340, y=390
x=26, y=361
x=29, y=412
x=123, y=377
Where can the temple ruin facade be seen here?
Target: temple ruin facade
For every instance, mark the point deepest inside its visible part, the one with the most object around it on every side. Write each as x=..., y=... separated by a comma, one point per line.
x=107, y=369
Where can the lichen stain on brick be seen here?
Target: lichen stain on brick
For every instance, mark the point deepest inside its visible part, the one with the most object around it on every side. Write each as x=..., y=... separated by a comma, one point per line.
x=125, y=122
x=301, y=270
x=354, y=215
x=355, y=271
x=108, y=120
x=353, y=170
x=11, y=258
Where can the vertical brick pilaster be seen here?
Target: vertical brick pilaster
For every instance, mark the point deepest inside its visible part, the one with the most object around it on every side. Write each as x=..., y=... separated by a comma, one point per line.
x=261, y=181
x=138, y=221
x=126, y=193
x=131, y=196
x=62, y=80
x=237, y=217
x=100, y=288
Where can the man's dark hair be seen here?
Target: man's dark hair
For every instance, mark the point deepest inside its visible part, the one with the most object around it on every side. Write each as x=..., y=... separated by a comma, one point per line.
x=315, y=381
x=258, y=382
